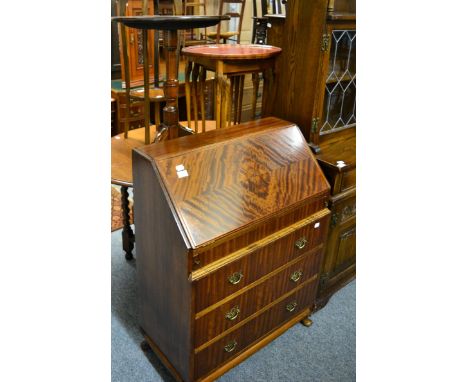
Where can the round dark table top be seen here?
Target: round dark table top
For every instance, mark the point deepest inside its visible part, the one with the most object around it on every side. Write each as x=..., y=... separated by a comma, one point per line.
x=169, y=22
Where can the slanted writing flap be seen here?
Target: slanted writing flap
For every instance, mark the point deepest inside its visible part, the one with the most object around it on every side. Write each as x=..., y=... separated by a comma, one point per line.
x=221, y=187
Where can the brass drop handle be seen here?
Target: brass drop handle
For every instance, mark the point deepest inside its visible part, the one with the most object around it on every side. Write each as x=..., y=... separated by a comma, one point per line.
x=230, y=346
x=301, y=243
x=296, y=276
x=291, y=306
x=235, y=278
x=233, y=313
x=132, y=38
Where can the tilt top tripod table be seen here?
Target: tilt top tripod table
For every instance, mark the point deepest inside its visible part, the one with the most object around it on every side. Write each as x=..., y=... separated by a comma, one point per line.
x=123, y=144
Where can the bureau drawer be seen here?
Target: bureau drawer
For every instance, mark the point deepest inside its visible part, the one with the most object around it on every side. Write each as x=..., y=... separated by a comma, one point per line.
x=253, y=264
x=234, y=311
x=215, y=354
x=248, y=237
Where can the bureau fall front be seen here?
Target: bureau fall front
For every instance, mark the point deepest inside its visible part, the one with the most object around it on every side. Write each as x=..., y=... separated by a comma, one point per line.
x=231, y=227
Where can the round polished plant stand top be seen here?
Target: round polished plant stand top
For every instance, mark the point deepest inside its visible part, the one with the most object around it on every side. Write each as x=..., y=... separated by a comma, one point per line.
x=169, y=22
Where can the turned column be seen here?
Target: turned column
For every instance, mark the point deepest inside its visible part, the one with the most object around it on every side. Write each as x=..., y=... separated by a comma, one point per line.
x=171, y=85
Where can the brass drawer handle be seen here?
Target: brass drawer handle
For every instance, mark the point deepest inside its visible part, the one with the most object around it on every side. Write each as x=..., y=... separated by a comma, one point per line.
x=296, y=276
x=235, y=278
x=291, y=306
x=301, y=243
x=230, y=346
x=233, y=313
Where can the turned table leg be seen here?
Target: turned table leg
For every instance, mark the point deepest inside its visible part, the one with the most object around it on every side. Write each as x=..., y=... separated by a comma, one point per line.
x=128, y=237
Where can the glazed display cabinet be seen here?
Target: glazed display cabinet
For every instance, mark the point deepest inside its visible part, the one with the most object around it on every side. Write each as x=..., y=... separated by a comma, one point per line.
x=333, y=134
x=316, y=89
x=335, y=105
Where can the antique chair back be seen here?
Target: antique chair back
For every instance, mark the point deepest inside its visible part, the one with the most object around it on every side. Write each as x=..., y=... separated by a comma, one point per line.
x=225, y=36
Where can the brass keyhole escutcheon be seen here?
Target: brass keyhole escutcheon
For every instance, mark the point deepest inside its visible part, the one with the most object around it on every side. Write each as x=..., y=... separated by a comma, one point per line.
x=233, y=313
x=296, y=276
x=235, y=278
x=230, y=346
x=301, y=243
x=291, y=306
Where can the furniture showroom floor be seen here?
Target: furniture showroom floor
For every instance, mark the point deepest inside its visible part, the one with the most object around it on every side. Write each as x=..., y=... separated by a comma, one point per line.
x=325, y=352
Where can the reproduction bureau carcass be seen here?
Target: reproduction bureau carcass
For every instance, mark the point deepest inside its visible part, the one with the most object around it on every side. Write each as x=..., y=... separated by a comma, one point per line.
x=231, y=227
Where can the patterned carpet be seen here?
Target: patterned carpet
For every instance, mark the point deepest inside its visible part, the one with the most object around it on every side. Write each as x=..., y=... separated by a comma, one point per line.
x=116, y=209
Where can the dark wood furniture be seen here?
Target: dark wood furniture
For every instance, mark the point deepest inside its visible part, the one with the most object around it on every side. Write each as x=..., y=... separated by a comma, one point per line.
x=121, y=175
x=133, y=40
x=113, y=116
x=231, y=227
x=168, y=129
x=230, y=63
x=316, y=89
x=337, y=158
x=260, y=22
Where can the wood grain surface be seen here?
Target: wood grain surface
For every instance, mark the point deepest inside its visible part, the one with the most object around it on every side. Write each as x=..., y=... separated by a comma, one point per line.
x=121, y=154
x=247, y=334
x=254, y=266
x=247, y=236
x=164, y=291
x=297, y=70
x=234, y=183
x=250, y=301
x=232, y=52
x=340, y=146
x=247, y=199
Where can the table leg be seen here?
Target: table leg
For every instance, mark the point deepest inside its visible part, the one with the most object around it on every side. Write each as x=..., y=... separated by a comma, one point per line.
x=236, y=84
x=202, y=97
x=224, y=101
x=256, y=84
x=268, y=78
x=128, y=237
x=219, y=79
x=241, y=94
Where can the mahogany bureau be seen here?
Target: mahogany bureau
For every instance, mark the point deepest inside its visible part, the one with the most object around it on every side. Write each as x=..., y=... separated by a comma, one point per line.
x=231, y=225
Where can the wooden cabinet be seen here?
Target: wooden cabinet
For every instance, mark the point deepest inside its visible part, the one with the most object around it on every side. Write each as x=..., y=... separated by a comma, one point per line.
x=231, y=226
x=135, y=44
x=339, y=266
x=337, y=158
x=316, y=71
x=316, y=89
x=335, y=101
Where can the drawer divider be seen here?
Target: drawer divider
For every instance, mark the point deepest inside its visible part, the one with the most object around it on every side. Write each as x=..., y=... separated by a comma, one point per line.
x=214, y=266
x=257, y=282
x=256, y=314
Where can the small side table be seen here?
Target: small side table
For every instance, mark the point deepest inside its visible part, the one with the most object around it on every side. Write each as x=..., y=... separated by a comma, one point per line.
x=230, y=64
x=123, y=144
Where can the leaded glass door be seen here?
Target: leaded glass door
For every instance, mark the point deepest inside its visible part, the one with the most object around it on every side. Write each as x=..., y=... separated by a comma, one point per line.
x=339, y=106
x=335, y=108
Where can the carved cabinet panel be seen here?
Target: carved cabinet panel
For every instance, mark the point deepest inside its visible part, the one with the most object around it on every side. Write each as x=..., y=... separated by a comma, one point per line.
x=339, y=265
